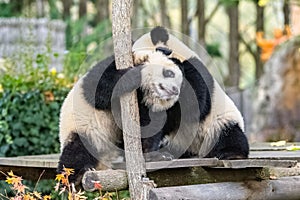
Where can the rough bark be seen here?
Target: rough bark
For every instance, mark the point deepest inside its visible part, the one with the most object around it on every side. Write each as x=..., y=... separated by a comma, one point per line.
x=102, y=7
x=184, y=17
x=67, y=4
x=135, y=20
x=165, y=19
x=40, y=8
x=17, y=6
x=233, y=64
x=286, y=12
x=135, y=163
x=82, y=8
x=283, y=188
x=201, y=21
x=260, y=10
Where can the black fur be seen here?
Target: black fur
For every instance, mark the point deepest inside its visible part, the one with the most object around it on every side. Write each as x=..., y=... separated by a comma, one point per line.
x=202, y=83
x=159, y=34
x=232, y=144
x=77, y=157
x=103, y=93
x=100, y=81
x=103, y=85
x=164, y=50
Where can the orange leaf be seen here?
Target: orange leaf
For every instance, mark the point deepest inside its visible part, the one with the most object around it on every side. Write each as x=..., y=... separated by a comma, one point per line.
x=97, y=185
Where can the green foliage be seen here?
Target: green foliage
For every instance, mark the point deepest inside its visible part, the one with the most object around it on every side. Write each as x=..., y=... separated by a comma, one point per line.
x=30, y=101
x=80, y=45
x=53, y=10
x=229, y=3
x=5, y=10
x=213, y=49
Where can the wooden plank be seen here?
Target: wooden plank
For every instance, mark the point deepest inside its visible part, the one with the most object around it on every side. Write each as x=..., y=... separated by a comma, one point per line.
x=176, y=163
x=266, y=146
x=28, y=162
x=248, y=163
x=276, y=155
x=284, y=188
x=54, y=157
x=180, y=163
x=202, y=175
x=266, y=158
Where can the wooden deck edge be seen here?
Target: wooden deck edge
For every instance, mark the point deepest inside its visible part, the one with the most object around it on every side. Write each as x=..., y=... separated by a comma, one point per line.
x=283, y=188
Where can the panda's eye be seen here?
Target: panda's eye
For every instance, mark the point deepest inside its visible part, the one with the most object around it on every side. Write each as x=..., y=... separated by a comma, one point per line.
x=168, y=73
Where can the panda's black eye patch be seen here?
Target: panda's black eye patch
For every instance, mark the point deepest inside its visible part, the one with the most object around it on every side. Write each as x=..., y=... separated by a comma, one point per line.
x=164, y=50
x=168, y=73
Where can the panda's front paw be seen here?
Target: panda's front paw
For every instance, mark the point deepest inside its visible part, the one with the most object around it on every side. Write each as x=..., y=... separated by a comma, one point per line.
x=158, y=156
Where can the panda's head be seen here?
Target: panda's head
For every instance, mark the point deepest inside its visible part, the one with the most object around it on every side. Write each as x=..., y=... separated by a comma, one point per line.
x=161, y=78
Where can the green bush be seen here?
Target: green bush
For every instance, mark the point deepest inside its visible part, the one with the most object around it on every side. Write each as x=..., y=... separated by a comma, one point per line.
x=30, y=101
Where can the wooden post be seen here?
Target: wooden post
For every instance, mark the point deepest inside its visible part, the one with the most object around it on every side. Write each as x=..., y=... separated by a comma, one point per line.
x=135, y=163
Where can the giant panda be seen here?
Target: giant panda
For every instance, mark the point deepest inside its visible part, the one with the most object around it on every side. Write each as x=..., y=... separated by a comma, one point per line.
x=90, y=131
x=213, y=128
x=183, y=111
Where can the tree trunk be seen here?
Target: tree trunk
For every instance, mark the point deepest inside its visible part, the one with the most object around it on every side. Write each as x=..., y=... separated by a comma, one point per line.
x=17, y=6
x=102, y=7
x=201, y=21
x=286, y=12
x=135, y=163
x=165, y=19
x=184, y=17
x=260, y=10
x=67, y=4
x=40, y=8
x=135, y=20
x=233, y=64
x=82, y=8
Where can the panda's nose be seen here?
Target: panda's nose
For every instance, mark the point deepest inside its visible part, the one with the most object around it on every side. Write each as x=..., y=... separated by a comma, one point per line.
x=175, y=90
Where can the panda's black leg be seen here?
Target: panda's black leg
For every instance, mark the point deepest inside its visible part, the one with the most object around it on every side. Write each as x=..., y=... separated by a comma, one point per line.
x=151, y=148
x=232, y=144
x=77, y=157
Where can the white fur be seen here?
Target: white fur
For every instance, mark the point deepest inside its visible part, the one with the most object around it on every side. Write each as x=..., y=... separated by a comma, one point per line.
x=79, y=117
x=180, y=50
x=201, y=137
x=154, y=63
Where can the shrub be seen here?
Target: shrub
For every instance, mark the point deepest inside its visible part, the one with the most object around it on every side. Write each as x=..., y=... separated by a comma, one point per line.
x=30, y=100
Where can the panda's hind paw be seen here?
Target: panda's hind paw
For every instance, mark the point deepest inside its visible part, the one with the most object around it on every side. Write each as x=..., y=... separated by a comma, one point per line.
x=232, y=156
x=158, y=156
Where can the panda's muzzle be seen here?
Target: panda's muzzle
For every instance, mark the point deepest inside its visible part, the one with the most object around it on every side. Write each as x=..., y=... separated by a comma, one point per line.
x=170, y=91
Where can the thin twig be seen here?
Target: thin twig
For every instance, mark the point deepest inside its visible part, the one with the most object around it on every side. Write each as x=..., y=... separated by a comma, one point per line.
x=213, y=12
x=38, y=180
x=247, y=46
x=2, y=195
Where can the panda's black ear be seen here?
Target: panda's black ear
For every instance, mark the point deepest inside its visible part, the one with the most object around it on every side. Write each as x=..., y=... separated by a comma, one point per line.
x=159, y=34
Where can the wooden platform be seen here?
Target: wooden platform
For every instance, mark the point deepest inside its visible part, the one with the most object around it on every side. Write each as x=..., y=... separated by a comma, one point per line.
x=265, y=162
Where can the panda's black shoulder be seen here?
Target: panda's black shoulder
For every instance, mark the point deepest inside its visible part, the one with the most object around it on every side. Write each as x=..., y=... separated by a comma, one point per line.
x=159, y=34
x=92, y=83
